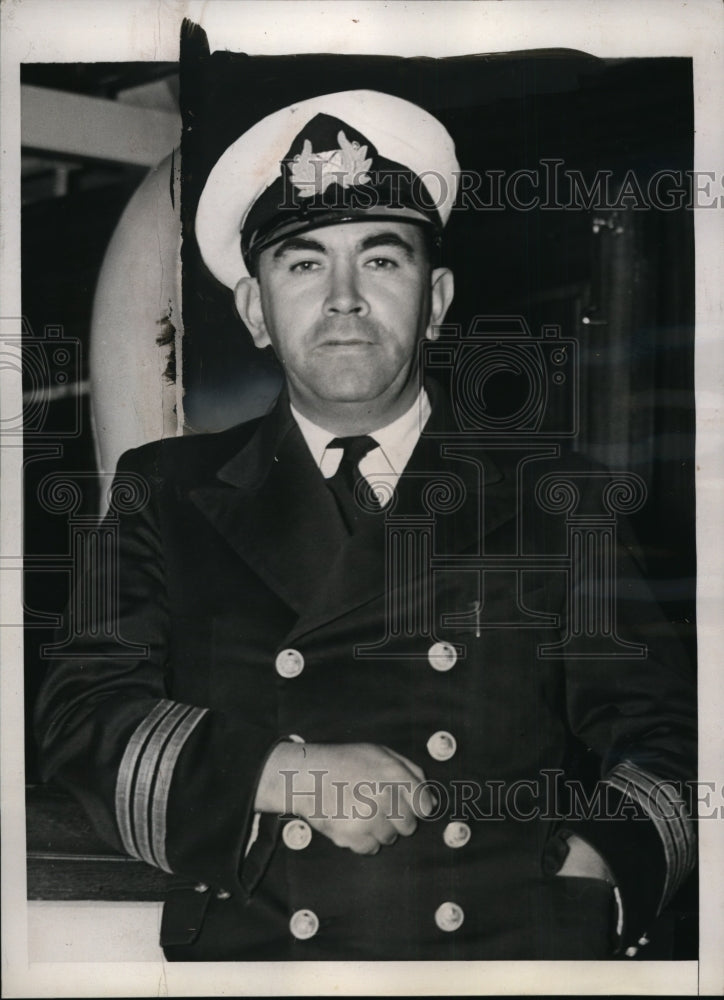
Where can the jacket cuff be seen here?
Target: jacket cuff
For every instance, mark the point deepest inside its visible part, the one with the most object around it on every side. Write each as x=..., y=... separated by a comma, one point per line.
x=144, y=779
x=184, y=795
x=646, y=837
x=261, y=832
x=670, y=815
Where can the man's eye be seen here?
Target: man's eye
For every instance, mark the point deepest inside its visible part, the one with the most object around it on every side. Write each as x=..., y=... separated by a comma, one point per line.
x=304, y=265
x=381, y=264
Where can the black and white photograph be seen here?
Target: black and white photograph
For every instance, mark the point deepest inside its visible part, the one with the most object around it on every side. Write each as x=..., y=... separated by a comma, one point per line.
x=361, y=446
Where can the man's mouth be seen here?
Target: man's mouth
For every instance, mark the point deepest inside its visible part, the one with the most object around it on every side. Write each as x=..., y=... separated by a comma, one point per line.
x=347, y=342
x=351, y=334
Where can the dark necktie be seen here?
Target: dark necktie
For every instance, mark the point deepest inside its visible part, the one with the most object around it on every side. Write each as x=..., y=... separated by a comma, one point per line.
x=343, y=483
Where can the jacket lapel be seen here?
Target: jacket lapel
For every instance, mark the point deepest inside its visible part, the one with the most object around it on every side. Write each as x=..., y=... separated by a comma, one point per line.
x=274, y=509
x=483, y=489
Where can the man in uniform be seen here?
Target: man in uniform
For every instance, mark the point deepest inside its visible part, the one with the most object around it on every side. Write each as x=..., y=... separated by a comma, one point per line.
x=354, y=755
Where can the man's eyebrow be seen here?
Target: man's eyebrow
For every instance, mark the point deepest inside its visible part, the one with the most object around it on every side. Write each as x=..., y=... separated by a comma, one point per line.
x=386, y=239
x=298, y=243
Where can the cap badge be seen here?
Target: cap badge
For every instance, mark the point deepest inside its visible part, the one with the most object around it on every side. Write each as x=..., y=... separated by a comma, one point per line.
x=312, y=173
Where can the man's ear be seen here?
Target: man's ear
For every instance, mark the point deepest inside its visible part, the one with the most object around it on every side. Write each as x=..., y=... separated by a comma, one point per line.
x=442, y=290
x=247, y=296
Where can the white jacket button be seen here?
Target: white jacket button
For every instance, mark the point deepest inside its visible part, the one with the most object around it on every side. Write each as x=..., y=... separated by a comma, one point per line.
x=449, y=916
x=442, y=745
x=456, y=834
x=442, y=656
x=304, y=924
x=297, y=834
x=289, y=663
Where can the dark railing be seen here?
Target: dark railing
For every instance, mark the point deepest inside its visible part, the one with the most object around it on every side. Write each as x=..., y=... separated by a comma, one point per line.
x=68, y=860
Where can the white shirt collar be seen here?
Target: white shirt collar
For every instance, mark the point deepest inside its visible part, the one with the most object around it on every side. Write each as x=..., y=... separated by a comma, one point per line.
x=396, y=441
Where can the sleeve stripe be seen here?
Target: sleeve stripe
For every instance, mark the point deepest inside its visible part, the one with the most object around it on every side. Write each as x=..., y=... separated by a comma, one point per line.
x=163, y=784
x=673, y=862
x=144, y=779
x=146, y=776
x=668, y=812
x=124, y=782
x=676, y=829
x=672, y=826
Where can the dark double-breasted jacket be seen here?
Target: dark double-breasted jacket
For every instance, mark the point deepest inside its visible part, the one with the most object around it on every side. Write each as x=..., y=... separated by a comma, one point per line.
x=480, y=626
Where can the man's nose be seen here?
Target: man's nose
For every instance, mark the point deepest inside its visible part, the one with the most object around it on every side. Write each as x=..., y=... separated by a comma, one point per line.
x=344, y=296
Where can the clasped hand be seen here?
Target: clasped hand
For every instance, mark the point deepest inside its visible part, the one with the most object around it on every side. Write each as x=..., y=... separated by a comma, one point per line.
x=360, y=795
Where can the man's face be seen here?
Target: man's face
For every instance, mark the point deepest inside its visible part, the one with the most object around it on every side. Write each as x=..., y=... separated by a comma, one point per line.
x=344, y=308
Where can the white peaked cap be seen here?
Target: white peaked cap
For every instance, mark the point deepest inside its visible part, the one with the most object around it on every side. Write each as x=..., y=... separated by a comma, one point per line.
x=400, y=131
